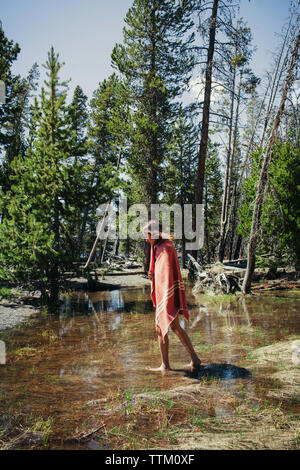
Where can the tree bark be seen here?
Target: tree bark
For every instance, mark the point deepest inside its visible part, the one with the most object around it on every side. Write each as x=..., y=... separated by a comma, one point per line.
x=54, y=277
x=274, y=87
x=229, y=164
x=206, y=111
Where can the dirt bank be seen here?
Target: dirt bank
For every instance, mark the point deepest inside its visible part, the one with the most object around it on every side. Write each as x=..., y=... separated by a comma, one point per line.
x=14, y=313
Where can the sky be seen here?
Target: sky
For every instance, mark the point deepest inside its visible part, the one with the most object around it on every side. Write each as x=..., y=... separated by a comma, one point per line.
x=84, y=33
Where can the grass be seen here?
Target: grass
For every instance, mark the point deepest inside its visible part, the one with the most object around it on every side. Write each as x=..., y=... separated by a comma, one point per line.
x=7, y=294
x=50, y=336
x=201, y=348
x=53, y=379
x=26, y=351
x=195, y=418
x=45, y=426
x=128, y=395
x=19, y=433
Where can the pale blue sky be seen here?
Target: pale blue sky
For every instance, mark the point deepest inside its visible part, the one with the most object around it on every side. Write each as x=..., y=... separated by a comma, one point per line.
x=85, y=31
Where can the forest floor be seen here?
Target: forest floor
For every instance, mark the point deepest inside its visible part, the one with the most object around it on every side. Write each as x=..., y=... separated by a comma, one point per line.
x=106, y=279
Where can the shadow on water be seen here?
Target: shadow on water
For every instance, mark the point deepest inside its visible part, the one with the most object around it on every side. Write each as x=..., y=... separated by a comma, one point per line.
x=219, y=371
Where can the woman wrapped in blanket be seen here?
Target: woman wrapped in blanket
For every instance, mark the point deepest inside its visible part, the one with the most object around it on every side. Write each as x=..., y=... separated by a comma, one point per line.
x=168, y=294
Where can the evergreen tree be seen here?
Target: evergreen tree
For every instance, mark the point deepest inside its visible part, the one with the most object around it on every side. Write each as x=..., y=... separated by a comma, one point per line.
x=79, y=115
x=108, y=136
x=36, y=245
x=17, y=118
x=280, y=226
x=15, y=113
x=212, y=200
x=156, y=62
x=8, y=54
x=180, y=165
x=79, y=165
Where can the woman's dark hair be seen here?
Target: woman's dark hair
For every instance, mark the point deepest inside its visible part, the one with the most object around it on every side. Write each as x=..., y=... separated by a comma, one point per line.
x=160, y=238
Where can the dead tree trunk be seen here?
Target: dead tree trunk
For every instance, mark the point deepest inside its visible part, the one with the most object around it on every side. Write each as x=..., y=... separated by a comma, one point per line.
x=263, y=179
x=206, y=111
x=227, y=203
x=274, y=87
x=92, y=253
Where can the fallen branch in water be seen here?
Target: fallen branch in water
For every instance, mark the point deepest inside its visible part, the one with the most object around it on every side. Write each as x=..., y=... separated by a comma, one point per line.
x=82, y=437
x=277, y=286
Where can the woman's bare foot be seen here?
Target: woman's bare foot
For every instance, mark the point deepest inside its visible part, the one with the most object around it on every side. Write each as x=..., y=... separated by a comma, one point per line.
x=195, y=365
x=162, y=368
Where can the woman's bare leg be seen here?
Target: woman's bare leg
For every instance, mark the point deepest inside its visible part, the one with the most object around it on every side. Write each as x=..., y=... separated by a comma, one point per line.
x=185, y=340
x=164, y=351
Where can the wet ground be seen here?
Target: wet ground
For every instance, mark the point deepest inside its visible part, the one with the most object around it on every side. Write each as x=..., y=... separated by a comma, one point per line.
x=98, y=348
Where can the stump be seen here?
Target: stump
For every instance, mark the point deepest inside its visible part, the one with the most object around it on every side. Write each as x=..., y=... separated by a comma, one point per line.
x=214, y=279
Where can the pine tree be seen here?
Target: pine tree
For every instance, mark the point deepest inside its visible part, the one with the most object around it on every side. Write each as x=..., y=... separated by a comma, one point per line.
x=79, y=166
x=156, y=62
x=79, y=115
x=15, y=113
x=108, y=135
x=179, y=169
x=212, y=200
x=36, y=245
x=9, y=52
x=17, y=118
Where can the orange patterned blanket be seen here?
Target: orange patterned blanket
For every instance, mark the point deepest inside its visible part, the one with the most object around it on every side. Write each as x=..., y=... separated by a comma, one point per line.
x=167, y=289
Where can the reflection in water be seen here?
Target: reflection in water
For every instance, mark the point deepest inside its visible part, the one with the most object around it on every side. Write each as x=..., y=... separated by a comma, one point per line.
x=104, y=341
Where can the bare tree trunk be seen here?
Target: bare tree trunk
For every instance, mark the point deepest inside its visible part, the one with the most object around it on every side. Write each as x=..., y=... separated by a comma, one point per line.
x=229, y=168
x=231, y=221
x=263, y=179
x=92, y=253
x=206, y=110
x=274, y=87
x=238, y=247
x=103, y=251
x=54, y=275
x=83, y=227
x=116, y=247
x=206, y=231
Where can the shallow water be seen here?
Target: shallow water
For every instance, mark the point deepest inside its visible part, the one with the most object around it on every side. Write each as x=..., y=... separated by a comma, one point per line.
x=102, y=342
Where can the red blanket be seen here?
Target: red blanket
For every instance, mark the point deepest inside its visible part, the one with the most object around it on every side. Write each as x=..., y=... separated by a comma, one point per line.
x=167, y=288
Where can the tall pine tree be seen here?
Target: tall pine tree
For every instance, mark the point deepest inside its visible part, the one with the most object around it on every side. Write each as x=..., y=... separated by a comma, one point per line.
x=36, y=244
x=156, y=62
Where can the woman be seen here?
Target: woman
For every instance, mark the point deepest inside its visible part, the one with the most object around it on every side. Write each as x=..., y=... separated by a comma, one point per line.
x=168, y=294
